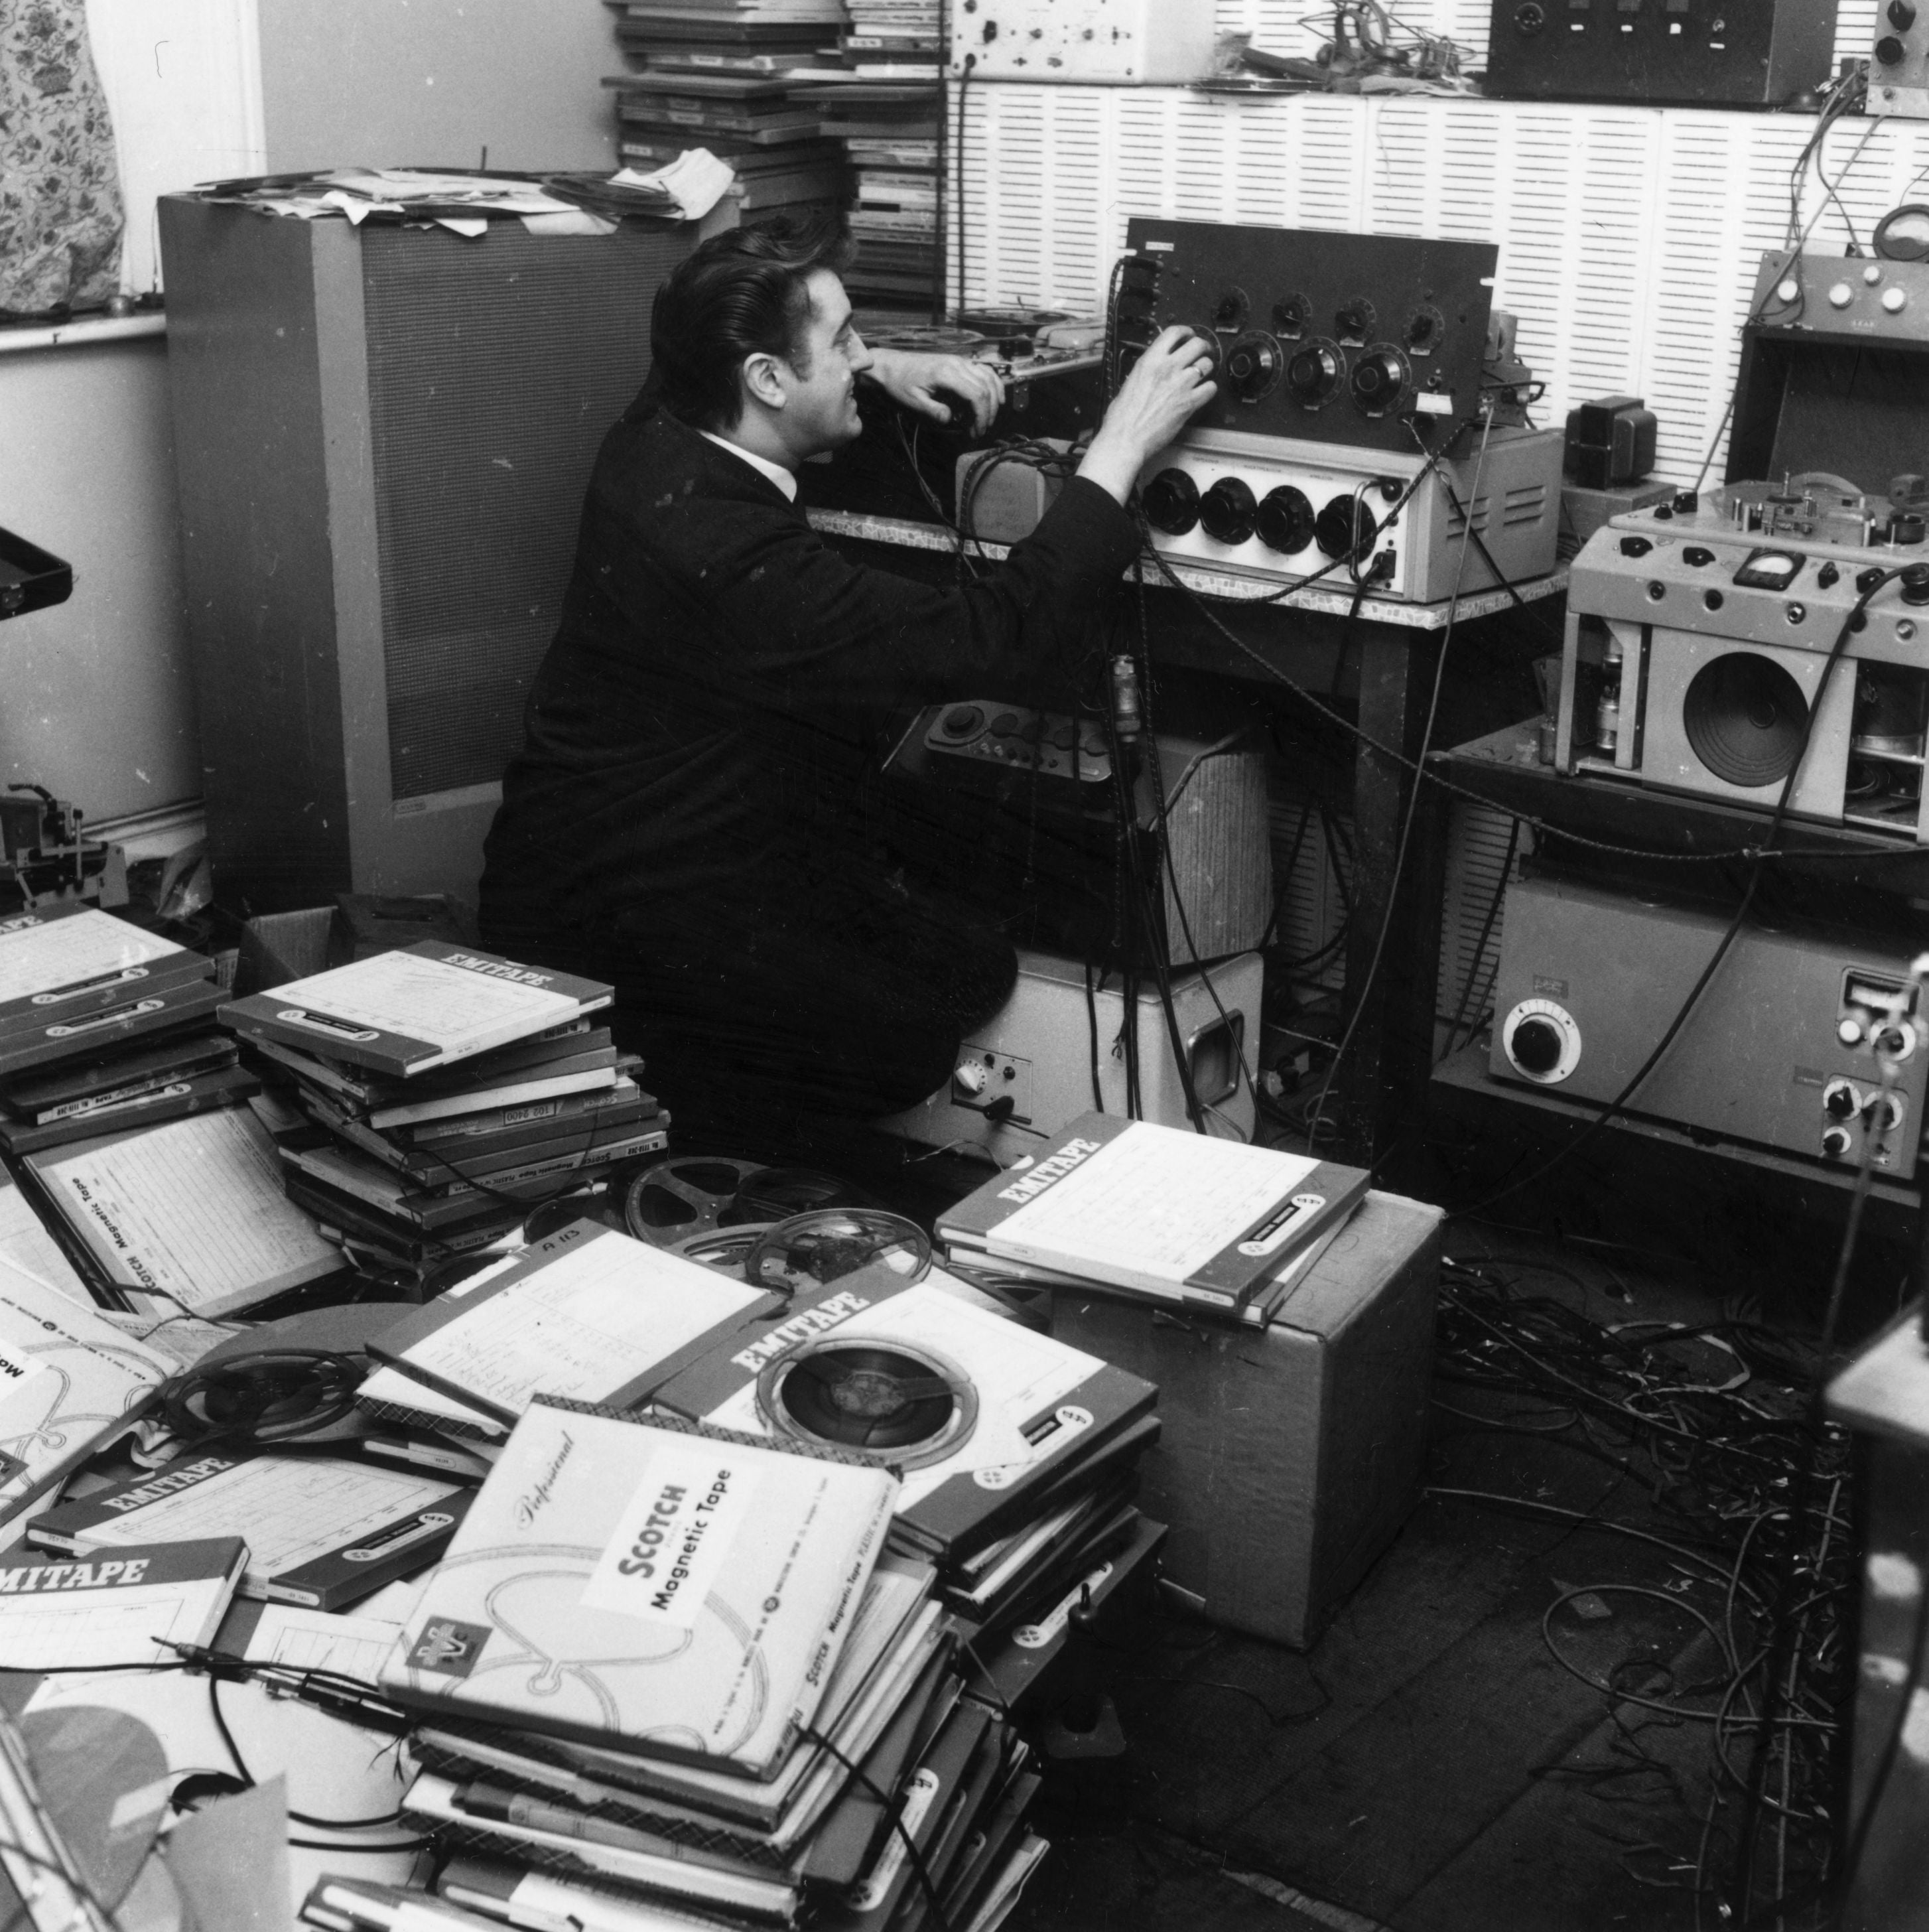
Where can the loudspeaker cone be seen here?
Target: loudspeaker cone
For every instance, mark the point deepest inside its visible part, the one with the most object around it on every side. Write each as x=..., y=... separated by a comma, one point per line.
x=1746, y=719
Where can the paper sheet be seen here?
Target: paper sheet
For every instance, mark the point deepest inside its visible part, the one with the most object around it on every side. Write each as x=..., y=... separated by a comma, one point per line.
x=292, y=1510
x=582, y=1325
x=24, y=1241
x=1159, y=1204
x=194, y=1209
x=354, y=1646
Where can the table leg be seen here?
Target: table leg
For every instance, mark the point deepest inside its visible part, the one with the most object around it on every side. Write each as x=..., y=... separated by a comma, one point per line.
x=1381, y=1084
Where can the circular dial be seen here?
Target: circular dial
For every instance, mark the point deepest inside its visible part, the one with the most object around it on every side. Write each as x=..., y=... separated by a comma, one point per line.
x=1542, y=1041
x=1354, y=320
x=1253, y=366
x=1425, y=326
x=1529, y=17
x=1314, y=372
x=1171, y=501
x=1890, y=51
x=1285, y=520
x=1215, y=351
x=1231, y=308
x=1346, y=527
x=1380, y=379
x=1229, y=511
x=1292, y=314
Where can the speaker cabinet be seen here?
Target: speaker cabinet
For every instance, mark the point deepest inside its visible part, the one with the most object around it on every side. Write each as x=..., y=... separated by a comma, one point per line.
x=382, y=436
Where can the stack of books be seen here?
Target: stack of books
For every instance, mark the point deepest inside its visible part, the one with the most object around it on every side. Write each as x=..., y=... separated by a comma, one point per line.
x=1129, y=1209
x=104, y=1025
x=445, y=1091
x=719, y=74
x=890, y=122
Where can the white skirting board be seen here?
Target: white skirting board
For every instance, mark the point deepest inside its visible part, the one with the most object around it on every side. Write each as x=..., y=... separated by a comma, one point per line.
x=1629, y=237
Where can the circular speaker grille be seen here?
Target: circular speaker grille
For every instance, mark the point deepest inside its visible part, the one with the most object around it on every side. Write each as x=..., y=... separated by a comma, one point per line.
x=907, y=1406
x=1746, y=719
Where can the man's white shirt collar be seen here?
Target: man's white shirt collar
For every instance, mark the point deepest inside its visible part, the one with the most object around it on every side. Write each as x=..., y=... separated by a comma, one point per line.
x=784, y=479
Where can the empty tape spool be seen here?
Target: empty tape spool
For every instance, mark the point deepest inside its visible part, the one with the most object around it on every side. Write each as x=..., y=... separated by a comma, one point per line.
x=1746, y=719
x=904, y=1404
x=724, y=1249
x=674, y=1200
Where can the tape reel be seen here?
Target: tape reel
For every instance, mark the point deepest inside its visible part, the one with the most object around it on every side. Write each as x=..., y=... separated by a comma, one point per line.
x=904, y=1404
x=674, y=1200
x=724, y=1249
x=927, y=339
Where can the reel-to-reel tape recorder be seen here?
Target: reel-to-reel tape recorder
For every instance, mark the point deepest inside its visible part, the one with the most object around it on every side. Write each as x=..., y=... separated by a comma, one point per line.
x=1699, y=631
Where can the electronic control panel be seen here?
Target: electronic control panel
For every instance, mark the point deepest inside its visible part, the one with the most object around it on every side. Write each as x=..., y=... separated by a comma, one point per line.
x=1864, y=299
x=1716, y=53
x=1376, y=341
x=1009, y=737
x=1782, y=1054
x=1899, y=63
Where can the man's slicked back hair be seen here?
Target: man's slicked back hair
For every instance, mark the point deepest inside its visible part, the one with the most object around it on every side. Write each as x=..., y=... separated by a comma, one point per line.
x=743, y=292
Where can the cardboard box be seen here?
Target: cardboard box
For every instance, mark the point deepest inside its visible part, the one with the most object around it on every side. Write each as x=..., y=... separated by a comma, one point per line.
x=1289, y=1456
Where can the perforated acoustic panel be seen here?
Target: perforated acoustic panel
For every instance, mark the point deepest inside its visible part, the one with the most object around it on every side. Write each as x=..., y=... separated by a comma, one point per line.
x=1628, y=237
x=493, y=376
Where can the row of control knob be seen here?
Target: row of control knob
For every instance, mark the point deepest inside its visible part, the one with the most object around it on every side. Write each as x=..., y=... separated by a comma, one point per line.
x=1254, y=365
x=1284, y=520
x=1893, y=300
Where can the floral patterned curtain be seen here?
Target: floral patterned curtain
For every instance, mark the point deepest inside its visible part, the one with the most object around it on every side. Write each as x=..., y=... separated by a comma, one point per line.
x=60, y=194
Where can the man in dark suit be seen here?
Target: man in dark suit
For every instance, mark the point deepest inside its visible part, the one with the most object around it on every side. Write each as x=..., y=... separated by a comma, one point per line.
x=691, y=815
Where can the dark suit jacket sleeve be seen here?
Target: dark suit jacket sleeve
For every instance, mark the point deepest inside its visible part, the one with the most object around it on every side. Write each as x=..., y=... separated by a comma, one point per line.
x=784, y=609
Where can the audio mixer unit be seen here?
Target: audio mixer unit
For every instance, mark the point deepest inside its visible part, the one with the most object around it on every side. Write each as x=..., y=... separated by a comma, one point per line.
x=1369, y=404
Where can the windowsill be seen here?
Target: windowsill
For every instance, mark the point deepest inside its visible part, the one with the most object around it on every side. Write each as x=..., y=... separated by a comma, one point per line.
x=75, y=334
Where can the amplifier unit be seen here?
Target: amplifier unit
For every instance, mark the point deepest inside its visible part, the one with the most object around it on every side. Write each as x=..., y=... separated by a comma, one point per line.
x=1707, y=53
x=1377, y=341
x=1778, y=1053
x=1037, y=1054
x=1277, y=508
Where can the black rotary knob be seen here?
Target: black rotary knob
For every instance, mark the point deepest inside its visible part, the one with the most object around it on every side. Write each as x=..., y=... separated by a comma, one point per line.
x=1915, y=584
x=1171, y=501
x=1346, y=527
x=1285, y=520
x=1890, y=51
x=1901, y=15
x=1905, y=527
x=1379, y=379
x=1530, y=17
x=1534, y=1046
x=1253, y=365
x=1229, y=511
x=1315, y=372
x=1355, y=318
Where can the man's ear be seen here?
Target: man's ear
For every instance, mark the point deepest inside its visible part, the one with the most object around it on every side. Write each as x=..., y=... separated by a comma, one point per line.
x=762, y=383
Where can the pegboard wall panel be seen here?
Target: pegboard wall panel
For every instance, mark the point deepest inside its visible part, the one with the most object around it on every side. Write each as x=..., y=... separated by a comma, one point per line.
x=1282, y=27
x=1628, y=237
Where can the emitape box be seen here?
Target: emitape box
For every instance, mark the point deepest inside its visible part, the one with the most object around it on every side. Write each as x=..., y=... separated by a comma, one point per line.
x=1288, y=1455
